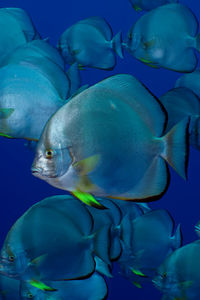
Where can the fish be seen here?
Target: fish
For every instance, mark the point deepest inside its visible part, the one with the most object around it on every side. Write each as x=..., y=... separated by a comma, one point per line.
x=76, y=153
x=53, y=241
x=46, y=59
x=92, y=288
x=178, y=276
x=9, y=288
x=35, y=48
x=27, y=100
x=166, y=37
x=140, y=5
x=149, y=240
x=181, y=102
x=24, y=20
x=18, y=30
x=90, y=43
x=190, y=81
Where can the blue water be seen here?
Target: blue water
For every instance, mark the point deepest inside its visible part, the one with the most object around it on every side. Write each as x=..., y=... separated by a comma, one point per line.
x=19, y=189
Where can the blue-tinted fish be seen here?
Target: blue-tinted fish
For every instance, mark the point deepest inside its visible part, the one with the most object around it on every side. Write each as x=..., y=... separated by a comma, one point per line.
x=108, y=141
x=9, y=288
x=27, y=100
x=92, y=288
x=52, y=241
x=18, y=29
x=139, y=5
x=166, y=37
x=36, y=48
x=178, y=277
x=24, y=20
x=90, y=43
x=180, y=103
x=146, y=241
x=190, y=81
x=41, y=56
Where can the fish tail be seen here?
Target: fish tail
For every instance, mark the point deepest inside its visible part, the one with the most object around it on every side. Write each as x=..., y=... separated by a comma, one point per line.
x=117, y=44
x=73, y=74
x=198, y=42
x=102, y=243
x=194, y=132
x=176, y=147
x=177, y=238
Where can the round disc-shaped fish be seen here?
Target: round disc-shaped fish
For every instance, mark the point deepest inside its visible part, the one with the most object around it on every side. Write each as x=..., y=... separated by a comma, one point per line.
x=178, y=276
x=166, y=37
x=149, y=241
x=139, y=5
x=27, y=100
x=89, y=43
x=49, y=242
x=108, y=141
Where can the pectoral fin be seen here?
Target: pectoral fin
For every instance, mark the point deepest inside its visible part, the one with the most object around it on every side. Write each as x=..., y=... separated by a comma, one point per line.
x=38, y=260
x=86, y=165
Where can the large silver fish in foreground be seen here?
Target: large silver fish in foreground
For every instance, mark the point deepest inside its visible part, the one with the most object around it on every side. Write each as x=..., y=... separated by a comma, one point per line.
x=108, y=141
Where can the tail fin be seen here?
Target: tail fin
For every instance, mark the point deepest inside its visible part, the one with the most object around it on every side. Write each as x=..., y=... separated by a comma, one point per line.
x=117, y=44
x=73, y=74
x=195, y=132
x=176, y=147
x=102, y=244
x=177, y=238
x=198, y=42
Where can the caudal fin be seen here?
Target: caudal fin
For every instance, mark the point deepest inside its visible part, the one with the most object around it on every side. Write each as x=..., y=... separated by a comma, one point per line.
x=117, y=44
x=176, y=147
x=177, y=238
x=198, y=42
x=102, y=244
x=73, y=74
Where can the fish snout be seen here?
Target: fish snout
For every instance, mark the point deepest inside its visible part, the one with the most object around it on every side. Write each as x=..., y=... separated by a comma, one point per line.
x=36, y=171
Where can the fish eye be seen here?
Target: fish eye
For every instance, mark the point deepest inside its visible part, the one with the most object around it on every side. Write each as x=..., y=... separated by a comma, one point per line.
x=11, y=258
x=49, y=153
x=30, y=296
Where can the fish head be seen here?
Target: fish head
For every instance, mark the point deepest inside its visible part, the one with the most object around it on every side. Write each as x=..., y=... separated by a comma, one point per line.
x=53, y=155
x=28, y=291
x=13, y=263
x=166, y=280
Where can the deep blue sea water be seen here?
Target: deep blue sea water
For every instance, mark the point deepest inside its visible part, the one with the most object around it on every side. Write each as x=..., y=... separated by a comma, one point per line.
x=19, y=189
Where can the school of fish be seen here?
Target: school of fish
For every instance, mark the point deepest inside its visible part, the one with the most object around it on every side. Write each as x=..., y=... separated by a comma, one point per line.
x=109, y=146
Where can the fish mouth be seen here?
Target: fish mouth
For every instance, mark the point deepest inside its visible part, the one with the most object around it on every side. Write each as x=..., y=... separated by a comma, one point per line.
x=39, y=172
x=36, y=171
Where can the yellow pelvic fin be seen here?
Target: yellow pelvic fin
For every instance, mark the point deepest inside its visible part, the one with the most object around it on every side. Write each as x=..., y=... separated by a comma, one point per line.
x=42, y=286
x=81, y=67
x=137, y=8
x=6, y=112
x=138, y=272
x=87, y=199
x=137, y=284
x=149, y=63
x=5, y=135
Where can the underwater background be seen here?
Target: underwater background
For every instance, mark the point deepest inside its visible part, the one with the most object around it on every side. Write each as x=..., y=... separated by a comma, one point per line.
x=20, y=190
